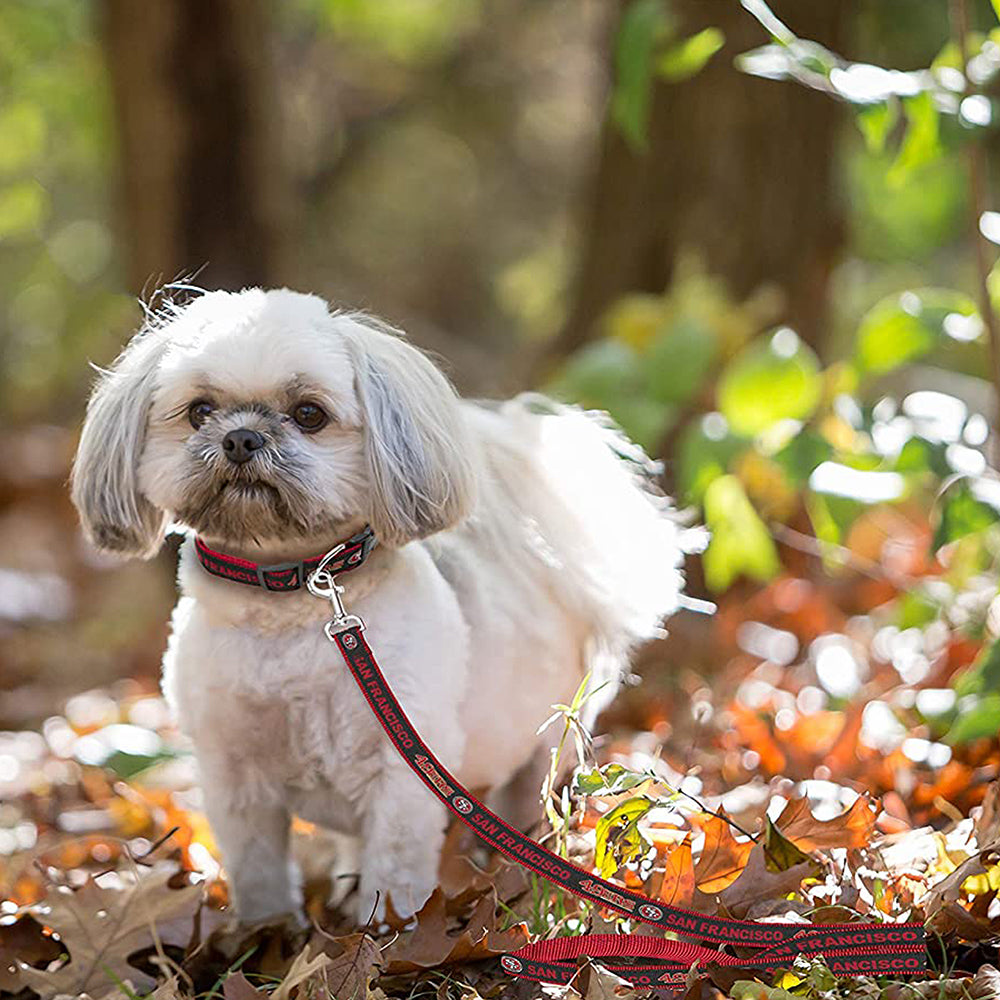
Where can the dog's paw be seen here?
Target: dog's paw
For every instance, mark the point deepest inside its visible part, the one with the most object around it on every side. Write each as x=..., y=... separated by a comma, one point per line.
x=396, y=909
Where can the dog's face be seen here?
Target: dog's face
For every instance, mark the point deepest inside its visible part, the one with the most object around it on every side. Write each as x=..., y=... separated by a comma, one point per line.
x=259, y=416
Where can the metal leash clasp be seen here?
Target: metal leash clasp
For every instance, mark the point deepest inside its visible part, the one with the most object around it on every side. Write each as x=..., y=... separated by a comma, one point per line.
x=322, y=583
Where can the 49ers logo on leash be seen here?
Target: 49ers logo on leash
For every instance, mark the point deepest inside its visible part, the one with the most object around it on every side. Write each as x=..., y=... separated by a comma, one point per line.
x=511, y=965
x=462, y=804
x=650, y=912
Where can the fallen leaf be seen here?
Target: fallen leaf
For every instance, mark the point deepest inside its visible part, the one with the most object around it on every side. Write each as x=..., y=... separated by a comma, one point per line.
x=722, y=857
x=677, y=884
x=431, y=943
x=757, y=882
x=948, y=889
x=595, y=982
x=756, y=734
x=952, y=918
x=852, y=828
x=236, y=986
x=985, y=984
x=308, y=971
x=986, y=828
x=780, y=853
x=101, y=927
x=355, y=958
x=24, y=940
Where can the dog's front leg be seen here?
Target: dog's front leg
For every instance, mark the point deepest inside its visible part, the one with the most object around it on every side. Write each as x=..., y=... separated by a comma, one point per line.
x=404, y=829
x=253, y=835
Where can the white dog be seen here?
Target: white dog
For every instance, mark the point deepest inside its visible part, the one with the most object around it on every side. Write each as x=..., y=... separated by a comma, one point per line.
x=518, y=547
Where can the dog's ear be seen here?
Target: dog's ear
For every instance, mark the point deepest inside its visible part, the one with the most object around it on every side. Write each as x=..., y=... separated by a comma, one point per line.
x=115, y=515
x=419, y=452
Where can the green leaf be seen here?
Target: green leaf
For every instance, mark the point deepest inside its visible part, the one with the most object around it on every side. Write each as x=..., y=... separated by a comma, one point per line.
x=643, y=26
x=599, y=374
x=678, y=360
x=803, y=454
x=780, y=854
x=686, y=58
x=876, y=121
x=919, y=456
x=741, y=543
x=771, y=381
x=618, y=838
x=968, y=505
x=704, y=456
x=128, y=765
x=644, y=420
x=915, y=611
x=996, y=8
x=903, y=327
x=982, y=720
x=611, y=779
x=921, y=143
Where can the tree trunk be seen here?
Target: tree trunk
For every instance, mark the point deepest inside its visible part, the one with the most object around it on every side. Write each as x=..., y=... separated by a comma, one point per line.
x=201, y=183
x=739, y=169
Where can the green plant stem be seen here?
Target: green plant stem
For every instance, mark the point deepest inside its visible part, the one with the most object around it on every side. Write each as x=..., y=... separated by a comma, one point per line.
x=978, y=189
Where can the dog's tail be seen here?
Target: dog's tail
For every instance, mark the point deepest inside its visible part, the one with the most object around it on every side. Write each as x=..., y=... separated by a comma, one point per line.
x=589, y=499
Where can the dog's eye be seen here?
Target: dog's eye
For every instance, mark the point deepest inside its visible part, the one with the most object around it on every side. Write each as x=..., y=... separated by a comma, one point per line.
x=310, y=417
x=199, y=411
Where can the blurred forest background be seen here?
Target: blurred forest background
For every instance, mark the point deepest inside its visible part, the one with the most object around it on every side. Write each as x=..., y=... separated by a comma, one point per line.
x=762, y=238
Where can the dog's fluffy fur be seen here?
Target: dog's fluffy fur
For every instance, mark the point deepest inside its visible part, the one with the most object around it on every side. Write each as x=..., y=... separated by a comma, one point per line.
x=520, y=546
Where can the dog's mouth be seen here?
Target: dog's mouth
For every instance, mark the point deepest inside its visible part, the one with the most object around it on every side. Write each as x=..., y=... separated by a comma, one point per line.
x=249, y=489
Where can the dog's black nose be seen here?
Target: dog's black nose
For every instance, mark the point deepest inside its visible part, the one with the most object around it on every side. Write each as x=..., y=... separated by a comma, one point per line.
x=240, y=445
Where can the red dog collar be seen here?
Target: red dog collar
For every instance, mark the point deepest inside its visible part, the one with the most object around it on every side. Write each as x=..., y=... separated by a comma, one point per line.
x=288, y=575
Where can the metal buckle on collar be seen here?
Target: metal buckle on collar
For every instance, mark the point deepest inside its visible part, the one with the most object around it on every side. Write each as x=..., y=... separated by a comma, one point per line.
x=298, y=580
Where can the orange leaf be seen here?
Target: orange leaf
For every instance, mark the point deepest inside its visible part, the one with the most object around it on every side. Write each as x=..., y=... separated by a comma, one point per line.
x=850, y=829
x=722, y=858
x=842, y=757
x=756, y=734
x=677, y=886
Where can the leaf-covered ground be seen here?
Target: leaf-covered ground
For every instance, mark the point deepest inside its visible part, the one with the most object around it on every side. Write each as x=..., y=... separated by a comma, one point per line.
x=808, y=752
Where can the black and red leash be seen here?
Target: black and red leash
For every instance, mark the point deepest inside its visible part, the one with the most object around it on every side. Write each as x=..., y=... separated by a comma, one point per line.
x=848, y=949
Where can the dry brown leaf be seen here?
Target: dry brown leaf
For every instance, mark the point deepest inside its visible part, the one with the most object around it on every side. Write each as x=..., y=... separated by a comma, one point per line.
x=236, y=986
x=948, y=889
x=102, y=927
x=852, y=828
x=307, y=975
x=757, y=882
x=430, y=943
x=169, y=989
x=953, y=918
x=722, y=858
x=594, y=982
x=985, y=984
x=986, y=828
x=23, y=939
x=355, y=957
